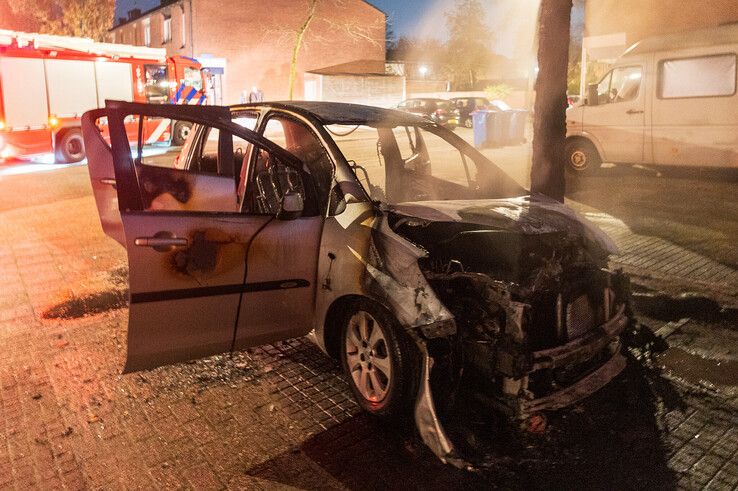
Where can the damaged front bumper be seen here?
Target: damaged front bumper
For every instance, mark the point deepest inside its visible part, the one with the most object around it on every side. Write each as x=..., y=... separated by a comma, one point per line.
x=605, y=338
x=601, y=343
x=594, y=358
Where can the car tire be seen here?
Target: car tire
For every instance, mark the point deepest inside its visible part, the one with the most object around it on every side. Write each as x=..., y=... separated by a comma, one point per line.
x=70, y=146
x=468, y=123
x=376, y=350
x=180, y=132
x=582, y=157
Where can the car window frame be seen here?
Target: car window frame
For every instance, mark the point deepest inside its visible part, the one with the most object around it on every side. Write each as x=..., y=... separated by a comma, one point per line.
x=482, y=165
x=315, y=128
x=197, y=146
x=124, y=162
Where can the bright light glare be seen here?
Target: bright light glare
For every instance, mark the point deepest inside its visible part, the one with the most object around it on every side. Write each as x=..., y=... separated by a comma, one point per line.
x=149, y=151
x=248, y=123
x=19, y=169
x=423, y=69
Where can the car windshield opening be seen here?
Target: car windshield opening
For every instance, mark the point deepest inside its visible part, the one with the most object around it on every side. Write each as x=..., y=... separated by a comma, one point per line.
x=410, y=163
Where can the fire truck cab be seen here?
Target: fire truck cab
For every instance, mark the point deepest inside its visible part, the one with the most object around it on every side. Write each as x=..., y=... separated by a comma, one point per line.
x=47, y=82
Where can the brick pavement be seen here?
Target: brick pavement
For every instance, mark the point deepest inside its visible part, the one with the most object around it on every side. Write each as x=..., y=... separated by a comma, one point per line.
x=271, y=417
x=654, y=260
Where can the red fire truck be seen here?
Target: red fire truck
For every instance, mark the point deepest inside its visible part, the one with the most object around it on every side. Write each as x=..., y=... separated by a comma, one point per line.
x=47, y=82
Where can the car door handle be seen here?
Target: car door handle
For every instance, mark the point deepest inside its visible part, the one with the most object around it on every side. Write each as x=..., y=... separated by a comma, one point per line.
x=633, y=111
x=161, y=242
x=109, y=181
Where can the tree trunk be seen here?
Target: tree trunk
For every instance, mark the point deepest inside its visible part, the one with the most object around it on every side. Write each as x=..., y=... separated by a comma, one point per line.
x=549, y=124
x=299, y=35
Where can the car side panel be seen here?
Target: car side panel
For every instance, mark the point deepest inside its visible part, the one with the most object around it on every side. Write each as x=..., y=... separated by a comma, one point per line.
x=184, y=301
x=279, y=295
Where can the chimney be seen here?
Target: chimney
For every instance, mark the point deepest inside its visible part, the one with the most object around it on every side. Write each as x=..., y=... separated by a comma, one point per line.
x=134, y=14
x=122, y=20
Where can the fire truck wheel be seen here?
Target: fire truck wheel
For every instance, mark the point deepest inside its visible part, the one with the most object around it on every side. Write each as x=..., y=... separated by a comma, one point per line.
x=180, y=132
x=70, y=146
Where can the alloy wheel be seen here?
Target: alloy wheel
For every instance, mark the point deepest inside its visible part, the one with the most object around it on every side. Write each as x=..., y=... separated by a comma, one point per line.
x=367, y=357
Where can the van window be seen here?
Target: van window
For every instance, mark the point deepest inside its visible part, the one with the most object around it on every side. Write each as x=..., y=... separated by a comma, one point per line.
x=706, y=76
x=620, y=85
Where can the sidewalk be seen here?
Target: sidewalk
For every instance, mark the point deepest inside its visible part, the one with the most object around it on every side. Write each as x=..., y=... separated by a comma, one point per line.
x=664, y=265
x=274, y=416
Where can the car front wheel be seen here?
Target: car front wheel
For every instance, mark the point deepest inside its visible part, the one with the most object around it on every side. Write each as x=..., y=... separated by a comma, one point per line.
x=381, y=361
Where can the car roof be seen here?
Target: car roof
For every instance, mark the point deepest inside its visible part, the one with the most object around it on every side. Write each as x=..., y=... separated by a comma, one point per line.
x=328, y=113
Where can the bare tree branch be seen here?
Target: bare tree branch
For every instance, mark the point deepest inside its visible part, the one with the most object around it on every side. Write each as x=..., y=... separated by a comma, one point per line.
x=299, y=35
x=320, y=17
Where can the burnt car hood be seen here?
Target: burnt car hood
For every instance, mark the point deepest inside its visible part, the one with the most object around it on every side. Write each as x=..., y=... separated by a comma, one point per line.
x=522, y=240
x=528, y=215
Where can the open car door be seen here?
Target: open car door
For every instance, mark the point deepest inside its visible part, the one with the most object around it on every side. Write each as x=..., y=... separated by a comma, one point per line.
x=186, y=233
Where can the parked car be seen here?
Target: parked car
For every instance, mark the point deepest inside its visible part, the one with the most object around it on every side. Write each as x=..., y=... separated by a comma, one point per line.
x=397, y=246
x=467, y=105
x=668, y=100
x=439, y=111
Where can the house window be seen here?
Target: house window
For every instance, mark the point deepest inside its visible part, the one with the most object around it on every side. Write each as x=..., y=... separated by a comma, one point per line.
x=705, y=76
x=184, y=27
x=147, y=32
x=166, y=29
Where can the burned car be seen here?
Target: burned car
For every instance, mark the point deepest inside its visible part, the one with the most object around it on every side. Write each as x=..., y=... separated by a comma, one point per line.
x=399, y=248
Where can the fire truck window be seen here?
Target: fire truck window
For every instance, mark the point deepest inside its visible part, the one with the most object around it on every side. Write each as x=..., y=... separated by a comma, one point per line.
x=157, y=83
x=192, y=78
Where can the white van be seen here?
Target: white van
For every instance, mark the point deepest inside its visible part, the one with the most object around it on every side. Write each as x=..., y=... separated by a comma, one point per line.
x=668, y=100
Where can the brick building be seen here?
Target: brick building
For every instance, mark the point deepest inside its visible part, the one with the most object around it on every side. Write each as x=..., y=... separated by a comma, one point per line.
x=247, y=43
